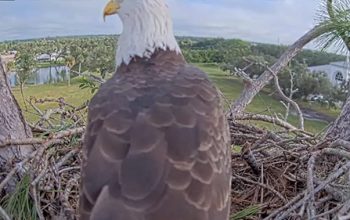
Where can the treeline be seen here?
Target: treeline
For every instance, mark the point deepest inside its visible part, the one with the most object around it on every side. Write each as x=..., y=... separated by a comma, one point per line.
x=94, y=54
x=255, y=57
x=197, y=50
x=97, y=54
x=223, y=51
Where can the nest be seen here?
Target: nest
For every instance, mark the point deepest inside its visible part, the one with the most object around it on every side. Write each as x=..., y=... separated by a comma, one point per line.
x=289, y=175
x=275, y=175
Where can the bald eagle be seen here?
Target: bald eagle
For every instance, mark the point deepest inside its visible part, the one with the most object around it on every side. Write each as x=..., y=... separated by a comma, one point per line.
x=157, y=144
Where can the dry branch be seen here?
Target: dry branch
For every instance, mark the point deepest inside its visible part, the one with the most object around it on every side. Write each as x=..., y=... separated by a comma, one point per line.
x=266, y=118
x=3, y=214
x=33, y=141
x=262, y=185
x=288, y=100
x=250, y=91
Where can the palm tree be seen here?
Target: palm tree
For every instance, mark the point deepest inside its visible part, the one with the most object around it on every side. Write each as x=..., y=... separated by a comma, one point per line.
x=337, y=15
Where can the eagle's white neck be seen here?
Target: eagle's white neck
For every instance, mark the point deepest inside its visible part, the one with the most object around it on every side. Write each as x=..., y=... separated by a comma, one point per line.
x=147, y=26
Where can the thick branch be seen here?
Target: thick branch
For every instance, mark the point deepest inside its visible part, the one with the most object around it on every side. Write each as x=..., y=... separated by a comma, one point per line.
x=250, y=91
x=246, y=78
x=340, y=129
x=12, y=123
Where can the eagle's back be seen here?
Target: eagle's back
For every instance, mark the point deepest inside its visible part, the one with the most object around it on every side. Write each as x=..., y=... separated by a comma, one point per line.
x=157, y=145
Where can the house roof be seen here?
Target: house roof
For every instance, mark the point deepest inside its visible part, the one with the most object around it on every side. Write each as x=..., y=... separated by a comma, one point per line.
x=43, y=57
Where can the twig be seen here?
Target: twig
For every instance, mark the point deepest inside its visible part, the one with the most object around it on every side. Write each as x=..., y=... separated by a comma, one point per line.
x=310, y=187
x=332, y=211
x=37, y=203
x=269, y=119
x=31, y=141
x=42, y=174
x=68, y=133
x=290, y=101
x=336, y=152
x=22, y=142
x=291, y=202
x=65, y=158
x=321, y=186
x=345, y=209
x=19, y=165
x=340, y=143
x=262, y=188
x=3, y=214
x=262, y=185
x=345, y=217
x=265, y=118
x=302, y=210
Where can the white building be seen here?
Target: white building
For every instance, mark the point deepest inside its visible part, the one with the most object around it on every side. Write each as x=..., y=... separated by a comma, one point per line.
x=336, y=72
x=43, y=58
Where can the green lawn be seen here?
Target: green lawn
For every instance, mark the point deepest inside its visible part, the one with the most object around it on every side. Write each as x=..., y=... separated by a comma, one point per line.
x=230, y=86
x=72, y=95
x=262, y=103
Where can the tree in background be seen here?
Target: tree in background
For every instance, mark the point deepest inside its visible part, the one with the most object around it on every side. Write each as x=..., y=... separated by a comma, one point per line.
x=25, y=66
x=336, y=23
x=101, y=60
x=306, y=82
x=338, y=13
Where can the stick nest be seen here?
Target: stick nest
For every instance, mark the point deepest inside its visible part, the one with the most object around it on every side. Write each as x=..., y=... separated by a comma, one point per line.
x=289, y=175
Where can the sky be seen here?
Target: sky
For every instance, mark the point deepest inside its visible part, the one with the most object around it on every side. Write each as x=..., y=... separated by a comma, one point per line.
x=268, y=21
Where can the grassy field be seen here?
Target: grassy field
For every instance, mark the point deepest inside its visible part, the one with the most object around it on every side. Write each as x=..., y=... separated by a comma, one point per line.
x=262, y=103
x=230, y=86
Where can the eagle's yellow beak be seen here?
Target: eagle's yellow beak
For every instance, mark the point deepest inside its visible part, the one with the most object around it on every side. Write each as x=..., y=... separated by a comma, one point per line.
x=111, y=8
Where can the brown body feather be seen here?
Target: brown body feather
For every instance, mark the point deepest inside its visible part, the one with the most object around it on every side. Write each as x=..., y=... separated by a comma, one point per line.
x=157, y=146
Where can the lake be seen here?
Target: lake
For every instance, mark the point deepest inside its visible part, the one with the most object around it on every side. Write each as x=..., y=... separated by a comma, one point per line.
x=47, y=75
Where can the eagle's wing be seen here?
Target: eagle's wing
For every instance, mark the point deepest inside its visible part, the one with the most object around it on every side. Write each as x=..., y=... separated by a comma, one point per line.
x=157, y=147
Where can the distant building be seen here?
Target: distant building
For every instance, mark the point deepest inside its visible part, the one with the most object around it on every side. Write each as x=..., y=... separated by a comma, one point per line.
x=336, y=72
x=43, y=58
x=13, y=52
x=47, y=57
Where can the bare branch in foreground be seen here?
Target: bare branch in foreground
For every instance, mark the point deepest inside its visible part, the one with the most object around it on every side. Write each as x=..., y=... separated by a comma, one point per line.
x=249, y=92
x=290, y=101
x=33, y=141
x=270, y=119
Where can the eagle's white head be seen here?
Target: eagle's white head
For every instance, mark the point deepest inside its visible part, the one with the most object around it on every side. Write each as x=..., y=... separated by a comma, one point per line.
x=147, y=26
